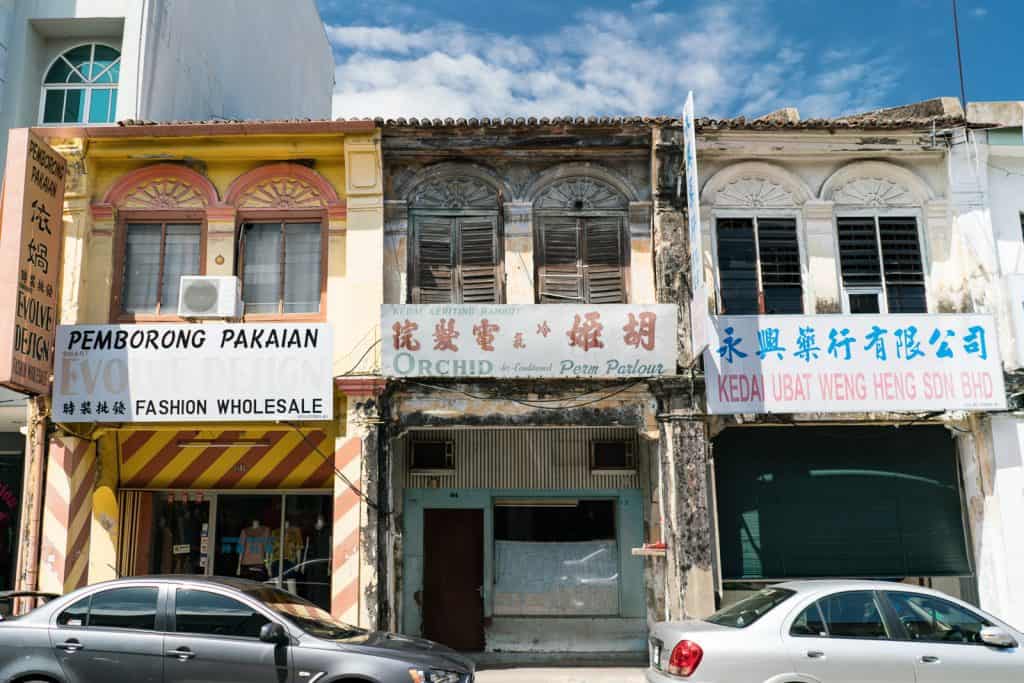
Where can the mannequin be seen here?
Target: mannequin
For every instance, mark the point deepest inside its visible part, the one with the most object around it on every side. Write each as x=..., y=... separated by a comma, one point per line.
x=290, y=551
x=252, y=545
x=317, y=573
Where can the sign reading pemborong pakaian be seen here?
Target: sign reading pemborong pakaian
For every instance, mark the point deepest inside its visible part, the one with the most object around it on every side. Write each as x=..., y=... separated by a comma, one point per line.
x=853, y=363
x=175, y=373
x=549, y=340
x=31, y=230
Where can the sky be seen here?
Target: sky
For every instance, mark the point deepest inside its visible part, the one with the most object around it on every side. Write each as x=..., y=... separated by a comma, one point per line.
x=452, y=58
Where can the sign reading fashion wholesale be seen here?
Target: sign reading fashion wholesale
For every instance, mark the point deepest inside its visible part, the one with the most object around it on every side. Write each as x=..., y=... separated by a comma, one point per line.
x=30, y=239
x=550, y=340
x=175, y=373
x=853, y=363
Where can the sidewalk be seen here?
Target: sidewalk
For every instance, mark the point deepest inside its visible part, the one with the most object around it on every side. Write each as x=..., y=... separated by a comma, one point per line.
x=562, y=675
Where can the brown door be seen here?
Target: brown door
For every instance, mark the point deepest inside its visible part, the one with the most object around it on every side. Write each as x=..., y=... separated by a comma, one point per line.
x=453, y=578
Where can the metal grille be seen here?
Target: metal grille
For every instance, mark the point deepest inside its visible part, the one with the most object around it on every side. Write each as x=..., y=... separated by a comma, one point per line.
x=901, y=254
x=858, y=252
x=526, y=458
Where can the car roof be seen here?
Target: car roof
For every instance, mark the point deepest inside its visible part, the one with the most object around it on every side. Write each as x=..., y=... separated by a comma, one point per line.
x=224, y=581
x=830, y=585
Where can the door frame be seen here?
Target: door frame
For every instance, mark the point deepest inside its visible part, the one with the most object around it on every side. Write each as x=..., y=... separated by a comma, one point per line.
x=486, y=580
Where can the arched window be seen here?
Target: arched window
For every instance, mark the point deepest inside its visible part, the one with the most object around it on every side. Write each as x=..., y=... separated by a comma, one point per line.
x=81, y=86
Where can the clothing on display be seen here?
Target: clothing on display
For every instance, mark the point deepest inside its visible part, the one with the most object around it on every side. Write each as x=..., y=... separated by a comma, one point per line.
x=254, y=541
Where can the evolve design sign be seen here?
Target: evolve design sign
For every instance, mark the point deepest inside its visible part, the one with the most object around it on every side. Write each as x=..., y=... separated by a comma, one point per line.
x=174, y=373
x=31, y=222
x=853, y=363
x=549, y=340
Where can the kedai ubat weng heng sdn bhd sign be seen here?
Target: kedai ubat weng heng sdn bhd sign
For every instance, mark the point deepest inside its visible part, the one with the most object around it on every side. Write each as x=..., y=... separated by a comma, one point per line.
x=853, y=363
x=174, y=373
x=550, y=340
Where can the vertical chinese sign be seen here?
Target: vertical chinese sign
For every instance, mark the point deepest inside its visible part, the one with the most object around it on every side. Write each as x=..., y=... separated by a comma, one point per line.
x=698, y=289
x=30, y=246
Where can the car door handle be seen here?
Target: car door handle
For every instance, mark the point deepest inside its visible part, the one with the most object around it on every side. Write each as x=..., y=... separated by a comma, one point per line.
x=70, y=646
x=182, y=653
x=816, y=654
x=929, y=659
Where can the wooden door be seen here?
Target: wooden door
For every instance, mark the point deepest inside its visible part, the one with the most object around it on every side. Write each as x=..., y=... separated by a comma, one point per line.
x=453, y=578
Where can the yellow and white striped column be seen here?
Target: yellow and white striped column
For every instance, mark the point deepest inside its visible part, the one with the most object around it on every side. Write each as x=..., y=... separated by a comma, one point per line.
x=67, y=514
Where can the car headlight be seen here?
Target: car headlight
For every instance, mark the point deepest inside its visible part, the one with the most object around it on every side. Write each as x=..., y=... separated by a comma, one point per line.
x=434, y=676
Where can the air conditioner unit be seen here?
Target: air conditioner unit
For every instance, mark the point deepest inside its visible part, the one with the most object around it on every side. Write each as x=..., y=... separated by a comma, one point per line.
x=209, y=296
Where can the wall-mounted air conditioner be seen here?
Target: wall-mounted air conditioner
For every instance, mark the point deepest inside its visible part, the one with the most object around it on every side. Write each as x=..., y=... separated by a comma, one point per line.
x=210, y=296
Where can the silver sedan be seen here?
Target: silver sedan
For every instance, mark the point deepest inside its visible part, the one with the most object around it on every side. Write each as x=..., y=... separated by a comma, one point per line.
x=839, y=632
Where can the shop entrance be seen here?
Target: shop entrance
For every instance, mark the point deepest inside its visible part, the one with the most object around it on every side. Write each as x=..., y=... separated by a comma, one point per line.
x=453, y=578
x=10, y=504
x=279, y=538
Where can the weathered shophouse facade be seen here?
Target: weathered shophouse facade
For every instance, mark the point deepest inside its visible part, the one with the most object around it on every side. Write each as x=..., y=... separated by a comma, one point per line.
x=840, y=237
x=175, y=483
x=541, y=481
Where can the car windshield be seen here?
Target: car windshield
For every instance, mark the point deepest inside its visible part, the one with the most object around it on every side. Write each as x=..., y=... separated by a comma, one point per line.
x=307, y=616
x=751, y=608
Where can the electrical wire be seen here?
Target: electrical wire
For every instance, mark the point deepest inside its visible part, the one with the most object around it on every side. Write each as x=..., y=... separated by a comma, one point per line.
x=359, y=362
x=338, y=473
x=531, y=404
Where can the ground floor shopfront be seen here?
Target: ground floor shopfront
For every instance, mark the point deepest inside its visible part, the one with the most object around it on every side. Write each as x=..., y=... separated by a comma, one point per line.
x=849, y=501
x=520, y=537
x=278, y=503
x=12, y=458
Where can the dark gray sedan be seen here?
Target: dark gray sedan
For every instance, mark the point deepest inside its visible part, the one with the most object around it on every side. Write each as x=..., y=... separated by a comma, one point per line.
x=173, y=629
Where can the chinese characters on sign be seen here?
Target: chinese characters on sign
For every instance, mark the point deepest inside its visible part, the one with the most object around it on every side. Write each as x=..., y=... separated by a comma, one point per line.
x=33, y=204
x=173, y=373
x=853, y=363
x=552, y=340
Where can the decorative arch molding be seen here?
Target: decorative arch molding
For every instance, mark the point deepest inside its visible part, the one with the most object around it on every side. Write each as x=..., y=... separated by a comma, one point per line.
x=454, y=185
x=161, y=187
x=877, y=184
x=597, y=187
x=283, y=186
x=755, y=185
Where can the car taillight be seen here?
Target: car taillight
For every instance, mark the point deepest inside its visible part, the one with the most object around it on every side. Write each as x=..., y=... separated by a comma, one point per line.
x=685, y=658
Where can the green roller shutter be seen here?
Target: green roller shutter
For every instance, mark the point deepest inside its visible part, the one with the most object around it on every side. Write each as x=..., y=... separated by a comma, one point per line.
x=864, y=502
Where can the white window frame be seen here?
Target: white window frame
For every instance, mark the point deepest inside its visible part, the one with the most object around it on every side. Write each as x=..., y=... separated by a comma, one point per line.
x=876, y=214
x=87, y=85
x=753, y=215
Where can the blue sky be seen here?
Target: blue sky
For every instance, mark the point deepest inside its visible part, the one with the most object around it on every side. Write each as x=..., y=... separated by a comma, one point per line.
x=593, y=57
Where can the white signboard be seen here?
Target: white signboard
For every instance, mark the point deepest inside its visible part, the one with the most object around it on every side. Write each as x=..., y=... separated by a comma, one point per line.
x=698, y=305
x=853, y=363
x=189, y=373
x=550, y=340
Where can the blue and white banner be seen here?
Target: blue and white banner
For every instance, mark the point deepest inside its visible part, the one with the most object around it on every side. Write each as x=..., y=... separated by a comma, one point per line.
x=853, y=363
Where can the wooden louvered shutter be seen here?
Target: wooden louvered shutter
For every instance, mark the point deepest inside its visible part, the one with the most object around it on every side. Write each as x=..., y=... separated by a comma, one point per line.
x=433, y=281
x=605, y=271
x=561, y=267
x=479, y=266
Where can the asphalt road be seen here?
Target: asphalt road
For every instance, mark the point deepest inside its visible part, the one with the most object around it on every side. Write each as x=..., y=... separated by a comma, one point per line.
x=564, y=675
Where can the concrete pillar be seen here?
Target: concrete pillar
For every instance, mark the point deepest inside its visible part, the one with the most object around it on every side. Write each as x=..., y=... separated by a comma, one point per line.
x=822, y=265
x=220, y=241
x=641, y=265
x=354, y=556
x=689, y=578
x=91, y=303
x=519, y=281
x=103, y=535
x=67, y=514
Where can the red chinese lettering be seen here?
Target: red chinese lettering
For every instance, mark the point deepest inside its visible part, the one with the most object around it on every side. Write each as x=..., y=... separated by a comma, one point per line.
x=544, y=329
x=404, y=335
x=586, y=331
x=517, y=341
x=640, y=330
x=484, y=333
x=445, y=335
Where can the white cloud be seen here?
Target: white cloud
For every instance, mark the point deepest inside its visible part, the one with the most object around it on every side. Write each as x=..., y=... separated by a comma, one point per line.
x=638, y=61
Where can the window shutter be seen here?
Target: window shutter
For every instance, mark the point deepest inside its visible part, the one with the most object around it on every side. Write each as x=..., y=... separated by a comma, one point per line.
x=478, y=260
x=432, y=261
x=605, y=272
x=780, y=265
x=858, y=252
x=737, y=266
x=561, y=272
x=901, y=261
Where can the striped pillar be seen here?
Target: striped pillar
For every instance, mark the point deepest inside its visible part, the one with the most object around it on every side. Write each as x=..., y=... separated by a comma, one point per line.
x=353, y=575
x=67, y=514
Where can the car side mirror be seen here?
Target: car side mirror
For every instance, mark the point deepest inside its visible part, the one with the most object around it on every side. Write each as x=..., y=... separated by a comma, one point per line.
x=273, y=633
x=997, y=637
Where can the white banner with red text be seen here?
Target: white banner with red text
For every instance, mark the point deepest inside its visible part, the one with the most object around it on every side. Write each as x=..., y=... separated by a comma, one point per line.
x=535, y=340
x=853, y=363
